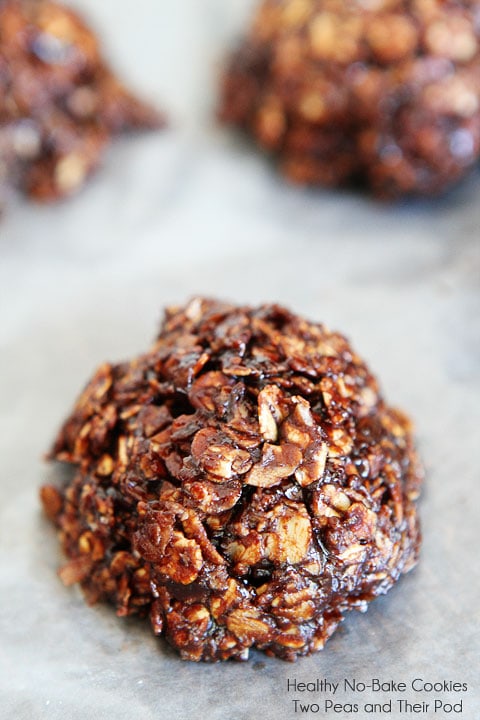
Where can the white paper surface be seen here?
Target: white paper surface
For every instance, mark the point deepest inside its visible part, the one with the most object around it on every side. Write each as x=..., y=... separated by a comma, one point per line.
x=195, y=209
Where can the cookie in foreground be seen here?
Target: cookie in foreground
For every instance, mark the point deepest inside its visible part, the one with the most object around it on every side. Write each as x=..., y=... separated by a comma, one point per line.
x=382, y=94
x=60, y=103
x=242, y=483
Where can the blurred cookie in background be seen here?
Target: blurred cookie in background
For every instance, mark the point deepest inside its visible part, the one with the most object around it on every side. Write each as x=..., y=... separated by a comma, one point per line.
x=379, y=93
x=60, y=103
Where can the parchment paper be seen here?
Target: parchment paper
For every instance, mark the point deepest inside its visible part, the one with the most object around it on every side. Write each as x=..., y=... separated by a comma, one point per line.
x=195, y=209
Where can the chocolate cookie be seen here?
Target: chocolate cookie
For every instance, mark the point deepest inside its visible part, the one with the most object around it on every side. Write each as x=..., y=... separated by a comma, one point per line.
x=384, y=94
x=59, y=102
x=243, y=483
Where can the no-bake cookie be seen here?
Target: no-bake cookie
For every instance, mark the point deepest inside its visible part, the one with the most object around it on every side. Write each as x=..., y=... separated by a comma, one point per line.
x=243, y=484
x=381, y=93
x=59, y=101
